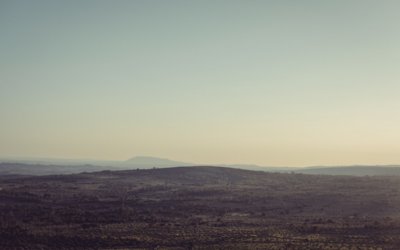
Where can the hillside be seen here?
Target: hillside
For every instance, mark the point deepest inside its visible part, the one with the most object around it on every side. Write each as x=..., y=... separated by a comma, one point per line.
x=199, y=208
x=142, y=162
x=150, y=162
x=42, y=169
x=353, y=170
x=43, y=166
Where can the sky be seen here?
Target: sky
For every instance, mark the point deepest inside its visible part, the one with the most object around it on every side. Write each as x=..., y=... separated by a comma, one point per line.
x=277, y=83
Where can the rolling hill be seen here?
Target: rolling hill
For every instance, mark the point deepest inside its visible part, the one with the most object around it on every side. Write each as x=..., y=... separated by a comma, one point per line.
x=199, y=208
x=61, y=166
x=352, y=170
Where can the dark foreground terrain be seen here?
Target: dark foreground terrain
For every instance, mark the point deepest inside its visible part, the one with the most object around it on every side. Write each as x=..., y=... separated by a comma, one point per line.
x=199, y=208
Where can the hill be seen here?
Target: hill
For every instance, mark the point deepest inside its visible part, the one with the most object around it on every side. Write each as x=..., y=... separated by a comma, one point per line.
x=199, y=208
x=353, y=170
x=48, y=166
x=41, y=169
x=51, y=167
x=150, y=162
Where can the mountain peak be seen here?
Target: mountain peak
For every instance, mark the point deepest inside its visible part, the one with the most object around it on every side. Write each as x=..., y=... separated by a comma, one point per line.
x=154, y=161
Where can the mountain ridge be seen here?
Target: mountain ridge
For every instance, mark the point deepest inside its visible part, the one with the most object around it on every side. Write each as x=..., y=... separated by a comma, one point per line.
x=40, y=166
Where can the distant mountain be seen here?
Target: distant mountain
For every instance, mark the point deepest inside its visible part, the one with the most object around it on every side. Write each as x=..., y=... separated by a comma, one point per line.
x=57, y=161
x=40, y=169
x=46, y=166
x=352, y=170
x=259, y=168
x=150, y=162
x=135, y=162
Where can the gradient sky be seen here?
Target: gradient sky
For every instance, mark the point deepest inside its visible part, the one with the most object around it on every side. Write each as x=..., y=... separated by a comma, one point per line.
x=282, y=83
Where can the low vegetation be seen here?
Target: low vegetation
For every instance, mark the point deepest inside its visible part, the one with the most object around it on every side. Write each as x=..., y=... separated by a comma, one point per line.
x=199, y=208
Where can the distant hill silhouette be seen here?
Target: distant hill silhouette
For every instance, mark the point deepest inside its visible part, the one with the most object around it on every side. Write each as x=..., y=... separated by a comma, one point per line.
x=352, y=170
x=40, y=169
x=149, y=162
x=47, y=166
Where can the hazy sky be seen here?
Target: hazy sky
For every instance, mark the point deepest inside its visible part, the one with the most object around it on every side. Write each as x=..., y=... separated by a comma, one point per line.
x=266, y=82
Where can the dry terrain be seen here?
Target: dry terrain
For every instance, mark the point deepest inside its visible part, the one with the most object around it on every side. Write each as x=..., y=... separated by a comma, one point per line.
x=199, y=208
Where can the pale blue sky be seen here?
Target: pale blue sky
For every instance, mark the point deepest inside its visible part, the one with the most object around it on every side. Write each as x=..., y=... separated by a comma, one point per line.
x=267, y=82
